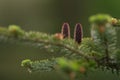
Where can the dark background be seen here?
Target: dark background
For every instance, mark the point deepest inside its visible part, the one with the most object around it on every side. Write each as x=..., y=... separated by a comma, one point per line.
x=47, y=16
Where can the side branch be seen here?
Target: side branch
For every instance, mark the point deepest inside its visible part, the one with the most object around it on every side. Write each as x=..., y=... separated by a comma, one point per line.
x=18, y=34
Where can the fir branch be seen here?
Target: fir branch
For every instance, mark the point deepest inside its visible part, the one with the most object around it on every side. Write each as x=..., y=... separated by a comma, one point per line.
x=37, y=37
x=40, y=66
x=100, y=49
x=104, y=35
x=67, y=65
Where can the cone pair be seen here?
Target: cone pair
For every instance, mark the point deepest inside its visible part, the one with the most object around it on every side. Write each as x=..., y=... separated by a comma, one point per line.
x=78, y=33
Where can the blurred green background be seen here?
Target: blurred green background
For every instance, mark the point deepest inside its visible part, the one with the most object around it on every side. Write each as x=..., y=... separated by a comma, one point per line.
x=47, y=16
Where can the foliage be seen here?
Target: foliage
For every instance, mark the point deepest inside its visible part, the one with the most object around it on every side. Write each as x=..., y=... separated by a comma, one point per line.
x=100, y=18
x=79, y=55
x=15, y=30
x=26, y=63
x=43, y=65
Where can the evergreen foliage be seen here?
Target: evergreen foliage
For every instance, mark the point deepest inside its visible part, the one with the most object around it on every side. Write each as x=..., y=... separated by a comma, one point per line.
x=81, y=54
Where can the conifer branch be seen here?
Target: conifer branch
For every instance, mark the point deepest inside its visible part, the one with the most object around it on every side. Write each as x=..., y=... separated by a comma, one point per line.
x=38, y=37
x=100, y=49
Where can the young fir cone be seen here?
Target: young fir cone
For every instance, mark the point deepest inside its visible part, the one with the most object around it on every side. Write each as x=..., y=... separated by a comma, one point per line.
x=101, y=28
x=78, y=33
x=65, y=30
x=59, y=36
x=82, y=70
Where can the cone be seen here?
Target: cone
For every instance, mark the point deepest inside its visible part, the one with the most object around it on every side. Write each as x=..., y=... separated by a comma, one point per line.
x=66, y=30
x=78, y=33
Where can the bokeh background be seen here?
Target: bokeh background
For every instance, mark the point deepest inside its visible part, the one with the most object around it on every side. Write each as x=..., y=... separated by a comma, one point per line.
x=47, y=16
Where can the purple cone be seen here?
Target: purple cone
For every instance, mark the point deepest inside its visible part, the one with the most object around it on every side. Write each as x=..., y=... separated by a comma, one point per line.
x=78, y=33
x=66, y=30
